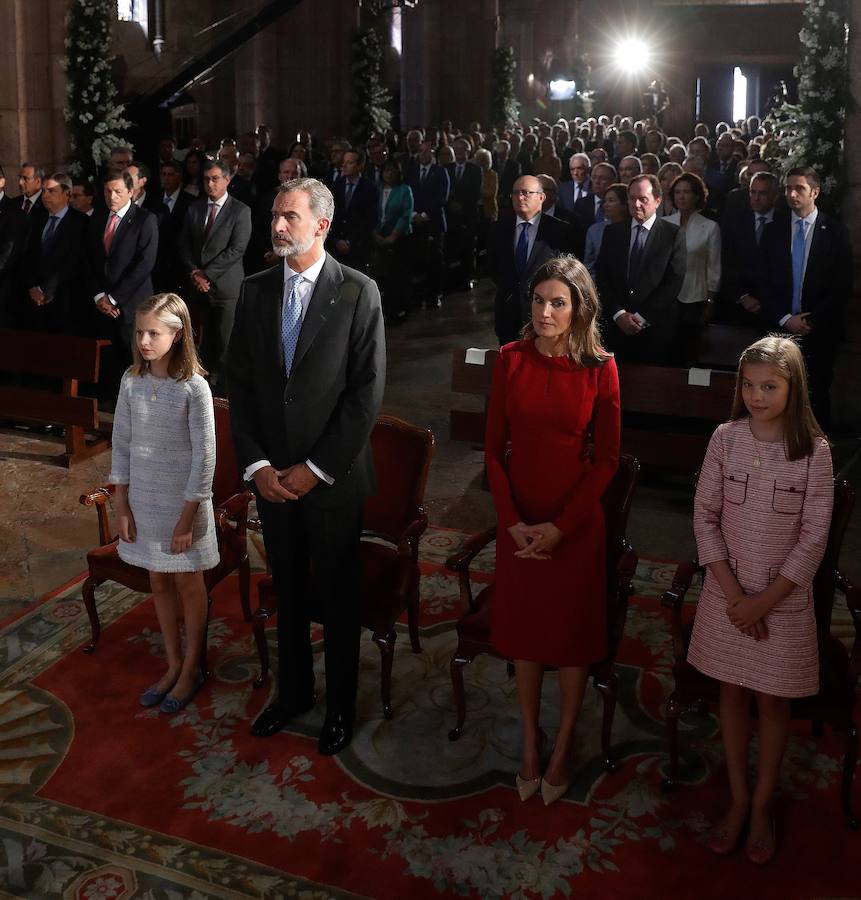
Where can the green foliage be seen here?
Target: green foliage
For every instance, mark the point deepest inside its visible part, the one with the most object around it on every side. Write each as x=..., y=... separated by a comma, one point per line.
x=810, y=132
x=371, y=99
x=504, y=108
x=94, y=118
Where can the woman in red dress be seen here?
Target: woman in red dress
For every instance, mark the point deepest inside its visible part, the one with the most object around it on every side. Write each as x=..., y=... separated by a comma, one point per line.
x=550, y=603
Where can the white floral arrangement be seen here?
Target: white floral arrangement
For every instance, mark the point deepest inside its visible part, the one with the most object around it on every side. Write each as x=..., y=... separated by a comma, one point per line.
x=810, y=132
x=95, y=119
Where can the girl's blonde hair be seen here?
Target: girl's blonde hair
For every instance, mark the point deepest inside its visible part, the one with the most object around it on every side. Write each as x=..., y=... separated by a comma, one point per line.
x=584, y=336
x=800, y=428
x=171, y=311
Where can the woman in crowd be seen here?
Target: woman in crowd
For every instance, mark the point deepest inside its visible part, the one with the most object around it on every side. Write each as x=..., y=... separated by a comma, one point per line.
x=615, y=210
x=193, y=166
x=547, y=162
x=489, y=185
x=549, y=391
x=391, y=268
x=703, y=262
x=667, y=174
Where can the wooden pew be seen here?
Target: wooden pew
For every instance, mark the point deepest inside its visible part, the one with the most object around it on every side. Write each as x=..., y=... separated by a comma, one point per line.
x=666, y=420
x=720, y=346
x=474, y=379
x=70, y=358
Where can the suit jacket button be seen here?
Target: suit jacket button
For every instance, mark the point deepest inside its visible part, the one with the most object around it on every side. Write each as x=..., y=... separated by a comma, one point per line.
x=289, y=400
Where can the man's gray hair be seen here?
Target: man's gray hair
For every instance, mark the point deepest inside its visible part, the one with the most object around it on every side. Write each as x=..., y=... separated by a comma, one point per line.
x=38, y=171
x=583, y=157
x=320, y=198
x=220, y=165
x=63, y=180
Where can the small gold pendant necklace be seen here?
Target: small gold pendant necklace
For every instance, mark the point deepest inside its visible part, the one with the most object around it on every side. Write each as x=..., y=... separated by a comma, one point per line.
x=154, y=395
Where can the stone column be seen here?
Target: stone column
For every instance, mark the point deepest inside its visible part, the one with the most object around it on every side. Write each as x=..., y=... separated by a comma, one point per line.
x=846, y=392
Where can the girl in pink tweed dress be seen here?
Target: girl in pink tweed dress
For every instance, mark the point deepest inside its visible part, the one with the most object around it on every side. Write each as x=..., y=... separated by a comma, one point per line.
x=761, y=519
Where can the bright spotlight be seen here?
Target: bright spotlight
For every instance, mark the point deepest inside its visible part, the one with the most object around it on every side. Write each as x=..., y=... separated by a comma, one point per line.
x=632, y=55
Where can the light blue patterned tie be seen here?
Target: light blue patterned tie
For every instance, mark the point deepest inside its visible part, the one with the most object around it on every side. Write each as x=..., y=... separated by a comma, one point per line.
x=291, y=323
x=797, y=267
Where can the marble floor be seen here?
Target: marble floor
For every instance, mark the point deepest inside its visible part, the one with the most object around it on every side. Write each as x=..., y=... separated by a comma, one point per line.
x=45, y=532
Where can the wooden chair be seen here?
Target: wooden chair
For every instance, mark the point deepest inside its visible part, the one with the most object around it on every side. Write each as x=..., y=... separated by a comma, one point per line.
x=70, y=358
x=393, y=522
x=838, y=668
x=230, y=499
x=473, y=630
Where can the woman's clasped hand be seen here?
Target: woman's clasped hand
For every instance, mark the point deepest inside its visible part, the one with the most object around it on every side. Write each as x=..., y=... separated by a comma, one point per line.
x=535, y=541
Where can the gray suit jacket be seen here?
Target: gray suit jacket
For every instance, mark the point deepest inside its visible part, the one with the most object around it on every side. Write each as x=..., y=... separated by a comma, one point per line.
x=325, y=410
x=218, y=255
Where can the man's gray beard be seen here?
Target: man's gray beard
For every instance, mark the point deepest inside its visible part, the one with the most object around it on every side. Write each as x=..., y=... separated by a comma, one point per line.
x=288, y=251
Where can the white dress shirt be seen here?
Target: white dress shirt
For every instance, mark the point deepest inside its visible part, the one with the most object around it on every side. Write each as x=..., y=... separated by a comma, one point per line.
x=304, y=290
x=702, y=267
x=120, y=215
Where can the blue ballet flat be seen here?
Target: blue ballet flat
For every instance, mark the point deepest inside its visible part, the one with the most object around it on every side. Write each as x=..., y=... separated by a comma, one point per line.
x=171, y=705
x=152, y=696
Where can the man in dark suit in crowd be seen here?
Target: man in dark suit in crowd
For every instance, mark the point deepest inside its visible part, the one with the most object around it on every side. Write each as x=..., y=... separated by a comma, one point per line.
x=11, y=235
x=626, y=145
x=52, y=263
x=306, y=371
x=741, y=237
x=462, y=213
x=243, y=185
x=82, y=198
x=579, y=187
x=639, y=272
x=508, y=171
x=215, y=235
x=720, y=173
x=121, y=252
x=170, y=274
x=806, y=280
x=145, y=195
x=590, y=209
x=430, y=187
x=517, y=246
x=378, y=153
x=268, y=158
x=357, y=211
x=738, y=199
x=30, y=184
x=260, y=254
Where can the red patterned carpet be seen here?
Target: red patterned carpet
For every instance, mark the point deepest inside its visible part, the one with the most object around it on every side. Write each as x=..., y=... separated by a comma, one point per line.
x=103, y=800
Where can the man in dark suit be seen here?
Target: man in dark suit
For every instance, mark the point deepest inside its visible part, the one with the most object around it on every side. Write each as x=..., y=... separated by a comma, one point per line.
x=578, y=187
x=741, y=237
x=806, y=280
x=52, y=263
x=463, y=213
x=215, y=235
x=145, y=195
x=639, y=272
x=170, y=273
x=306, y=371
x=508, y=171
x=11, y=235
x=430, y=187
x=121, y=251
x=720, y=173
x=30, y=183
x=357, y=211
x=590, y=209
x=517, y=246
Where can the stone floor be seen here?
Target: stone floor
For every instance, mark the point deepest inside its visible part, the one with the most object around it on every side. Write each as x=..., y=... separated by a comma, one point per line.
x=45, y=533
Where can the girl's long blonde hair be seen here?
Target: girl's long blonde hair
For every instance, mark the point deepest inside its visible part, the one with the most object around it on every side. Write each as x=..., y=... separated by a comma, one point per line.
x=584, y=336
x=171, y=311
x=800, y=428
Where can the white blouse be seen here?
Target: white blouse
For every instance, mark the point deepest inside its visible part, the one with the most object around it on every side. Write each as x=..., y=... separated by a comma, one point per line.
x=702, y=275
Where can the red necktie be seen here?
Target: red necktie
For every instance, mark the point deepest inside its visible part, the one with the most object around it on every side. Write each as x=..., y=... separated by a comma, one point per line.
x=27, y=205
x=110, y=231
x=210, y=219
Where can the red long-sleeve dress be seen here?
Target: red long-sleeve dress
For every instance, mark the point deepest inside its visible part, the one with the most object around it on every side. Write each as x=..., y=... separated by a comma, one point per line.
x=551, y=611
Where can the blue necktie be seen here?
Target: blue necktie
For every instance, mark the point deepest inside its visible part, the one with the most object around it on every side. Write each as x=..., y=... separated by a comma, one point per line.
x=797, y=267
x=521, y=254
x=349, y=194
x=291, y=323
x=635, y=256
x=48, y=236
x=599, y=212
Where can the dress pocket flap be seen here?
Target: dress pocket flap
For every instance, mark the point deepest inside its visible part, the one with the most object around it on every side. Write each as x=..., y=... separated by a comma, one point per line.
x=788, y=497
x=735, y=487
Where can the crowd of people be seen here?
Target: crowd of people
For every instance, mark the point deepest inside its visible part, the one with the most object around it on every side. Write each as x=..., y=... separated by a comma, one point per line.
x=608, y=242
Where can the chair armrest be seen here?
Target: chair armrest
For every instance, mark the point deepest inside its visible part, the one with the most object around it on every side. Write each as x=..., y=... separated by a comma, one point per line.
x=255, y=525
x=460, y=561
x=674, y=597
x=236, y=509
x=853, y=603
x=99, y=497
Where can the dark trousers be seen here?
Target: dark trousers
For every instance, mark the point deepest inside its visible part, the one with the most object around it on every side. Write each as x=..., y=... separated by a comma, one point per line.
x=216, y=323
x=819, y=355
x=507, y=319
x=427, y=248
x=314, y=558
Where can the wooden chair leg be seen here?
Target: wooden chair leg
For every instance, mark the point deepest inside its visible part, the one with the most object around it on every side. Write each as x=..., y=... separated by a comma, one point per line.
x=245, y=588
x=261, y=617
x=850, y=759
x=413, y=620
x=386, y=643
x=88, y=592
x=608, y=690
x=673, y=711
x=458, y=661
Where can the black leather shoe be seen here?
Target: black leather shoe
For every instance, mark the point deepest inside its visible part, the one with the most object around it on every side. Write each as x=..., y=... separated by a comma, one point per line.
x=336, y=734
x=275, y=716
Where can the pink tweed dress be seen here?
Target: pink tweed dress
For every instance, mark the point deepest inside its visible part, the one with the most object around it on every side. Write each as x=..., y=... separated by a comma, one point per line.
x=767, y=520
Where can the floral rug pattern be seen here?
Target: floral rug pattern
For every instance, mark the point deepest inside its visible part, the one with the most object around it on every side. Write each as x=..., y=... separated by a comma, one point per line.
x=102, y=800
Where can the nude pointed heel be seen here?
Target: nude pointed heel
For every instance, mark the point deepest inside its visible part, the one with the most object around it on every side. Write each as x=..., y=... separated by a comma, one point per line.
x=550, y=793
x=527, y=787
